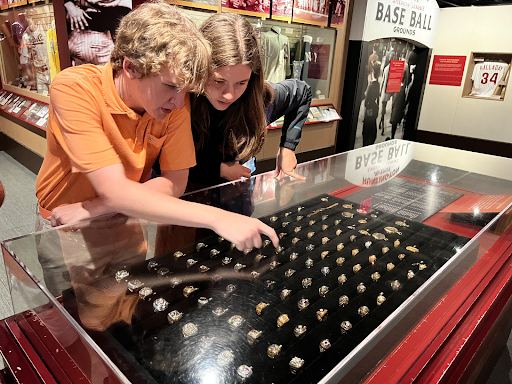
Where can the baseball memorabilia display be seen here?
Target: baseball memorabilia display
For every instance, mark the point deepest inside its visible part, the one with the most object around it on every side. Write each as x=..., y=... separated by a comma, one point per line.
x=486, y=76
x=268, y=314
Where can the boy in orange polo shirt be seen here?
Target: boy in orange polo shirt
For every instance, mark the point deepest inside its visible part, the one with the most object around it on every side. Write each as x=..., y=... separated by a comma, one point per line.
x=108, y=124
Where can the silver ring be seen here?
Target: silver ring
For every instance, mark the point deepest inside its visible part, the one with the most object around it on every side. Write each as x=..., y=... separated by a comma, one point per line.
x=174, y=316
x=325, y=344
x=122, y=274
x=160, y=305
x=189, y=329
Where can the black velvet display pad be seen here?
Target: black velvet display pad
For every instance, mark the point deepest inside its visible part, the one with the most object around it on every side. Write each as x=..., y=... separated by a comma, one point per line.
x=166, y=355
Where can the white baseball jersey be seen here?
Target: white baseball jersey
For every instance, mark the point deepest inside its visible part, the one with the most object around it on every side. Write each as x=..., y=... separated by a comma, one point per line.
x=486, y=76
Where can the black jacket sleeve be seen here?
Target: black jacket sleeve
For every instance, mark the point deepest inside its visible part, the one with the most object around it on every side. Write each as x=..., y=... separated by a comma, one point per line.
x=292, y=99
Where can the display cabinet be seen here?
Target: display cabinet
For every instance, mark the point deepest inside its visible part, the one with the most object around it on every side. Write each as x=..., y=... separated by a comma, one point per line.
x=391, y=257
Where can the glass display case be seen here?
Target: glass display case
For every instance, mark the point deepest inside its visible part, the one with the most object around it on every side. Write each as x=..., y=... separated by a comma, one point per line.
x=29, y=48
x=296, y=51
x=374, y=243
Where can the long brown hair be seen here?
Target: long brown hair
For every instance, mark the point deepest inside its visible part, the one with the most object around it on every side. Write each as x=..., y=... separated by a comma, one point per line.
x=234, y=41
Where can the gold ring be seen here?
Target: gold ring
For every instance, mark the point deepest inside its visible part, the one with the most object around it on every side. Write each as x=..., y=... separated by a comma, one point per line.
x=188, y=290
x=324, y=217
x=375, y=276
x=226, y=260
x=253, y=335
x=178, y=254
x=311, y=222
x=372, y=259
x=325, y=240
x=355, y=251
x=338, y=232
x=296, y=363
x=299, y=218
x=321, y=314
x=396, y=243
x=410, y=274
x=191, y=262
x=323, y=290
x=306, y=283
x=299, y=330
x=401, y=256
x=273, y=350
x=302, y=304
x=239, y=266
x=361, y=288
x=293, y=256
x=343, y=300
x=353, y=238
x=295, y=240
x=325, y=226
x=289, y=272
x=324, y=254
x=285, y=293
x=260, y=307
x=412, y=249
x=379, y=236
x=340, y=246
x=199, y=246
x=356, y=268
x=345, y=326
x=390, y=266
x=363, y=311
x=282, y=320
x=342, y=279
x=274, y=265
x=381, y=298
x=395, y=285
x=311, y=234
x=385, y=250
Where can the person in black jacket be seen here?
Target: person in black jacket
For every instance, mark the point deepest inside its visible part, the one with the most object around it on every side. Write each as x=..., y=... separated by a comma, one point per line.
x=229, y=120
x=371, y=105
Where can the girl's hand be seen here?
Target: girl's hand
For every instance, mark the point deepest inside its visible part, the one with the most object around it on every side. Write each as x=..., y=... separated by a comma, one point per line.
x=234, y=171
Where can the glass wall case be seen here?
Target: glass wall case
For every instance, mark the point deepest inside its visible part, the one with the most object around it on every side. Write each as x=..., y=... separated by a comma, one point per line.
x=370, y=245
x=29, y=48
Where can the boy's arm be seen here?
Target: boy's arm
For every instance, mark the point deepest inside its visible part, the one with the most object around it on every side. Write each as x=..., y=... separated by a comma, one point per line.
x=122, y=195
x=172, y=183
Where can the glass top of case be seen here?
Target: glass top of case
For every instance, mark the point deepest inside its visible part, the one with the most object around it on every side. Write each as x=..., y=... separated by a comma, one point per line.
x=370, y=235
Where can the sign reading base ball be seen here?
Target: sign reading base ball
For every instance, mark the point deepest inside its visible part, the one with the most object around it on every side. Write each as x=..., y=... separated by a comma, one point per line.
x=414, y=20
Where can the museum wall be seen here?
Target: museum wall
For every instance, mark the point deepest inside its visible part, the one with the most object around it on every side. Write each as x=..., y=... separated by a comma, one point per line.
x=444, y=111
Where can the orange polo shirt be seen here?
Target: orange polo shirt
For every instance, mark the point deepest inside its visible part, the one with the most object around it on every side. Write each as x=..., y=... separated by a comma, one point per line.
x=90, y=127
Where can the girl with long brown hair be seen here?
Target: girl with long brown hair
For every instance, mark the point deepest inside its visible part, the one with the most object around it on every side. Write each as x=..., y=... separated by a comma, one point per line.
x=230, y=119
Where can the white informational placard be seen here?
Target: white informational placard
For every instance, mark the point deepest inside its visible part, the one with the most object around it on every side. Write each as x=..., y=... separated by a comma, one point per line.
x=404, y=19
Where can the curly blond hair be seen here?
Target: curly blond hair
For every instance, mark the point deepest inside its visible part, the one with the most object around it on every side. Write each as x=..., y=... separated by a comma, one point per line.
x=156, y=35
